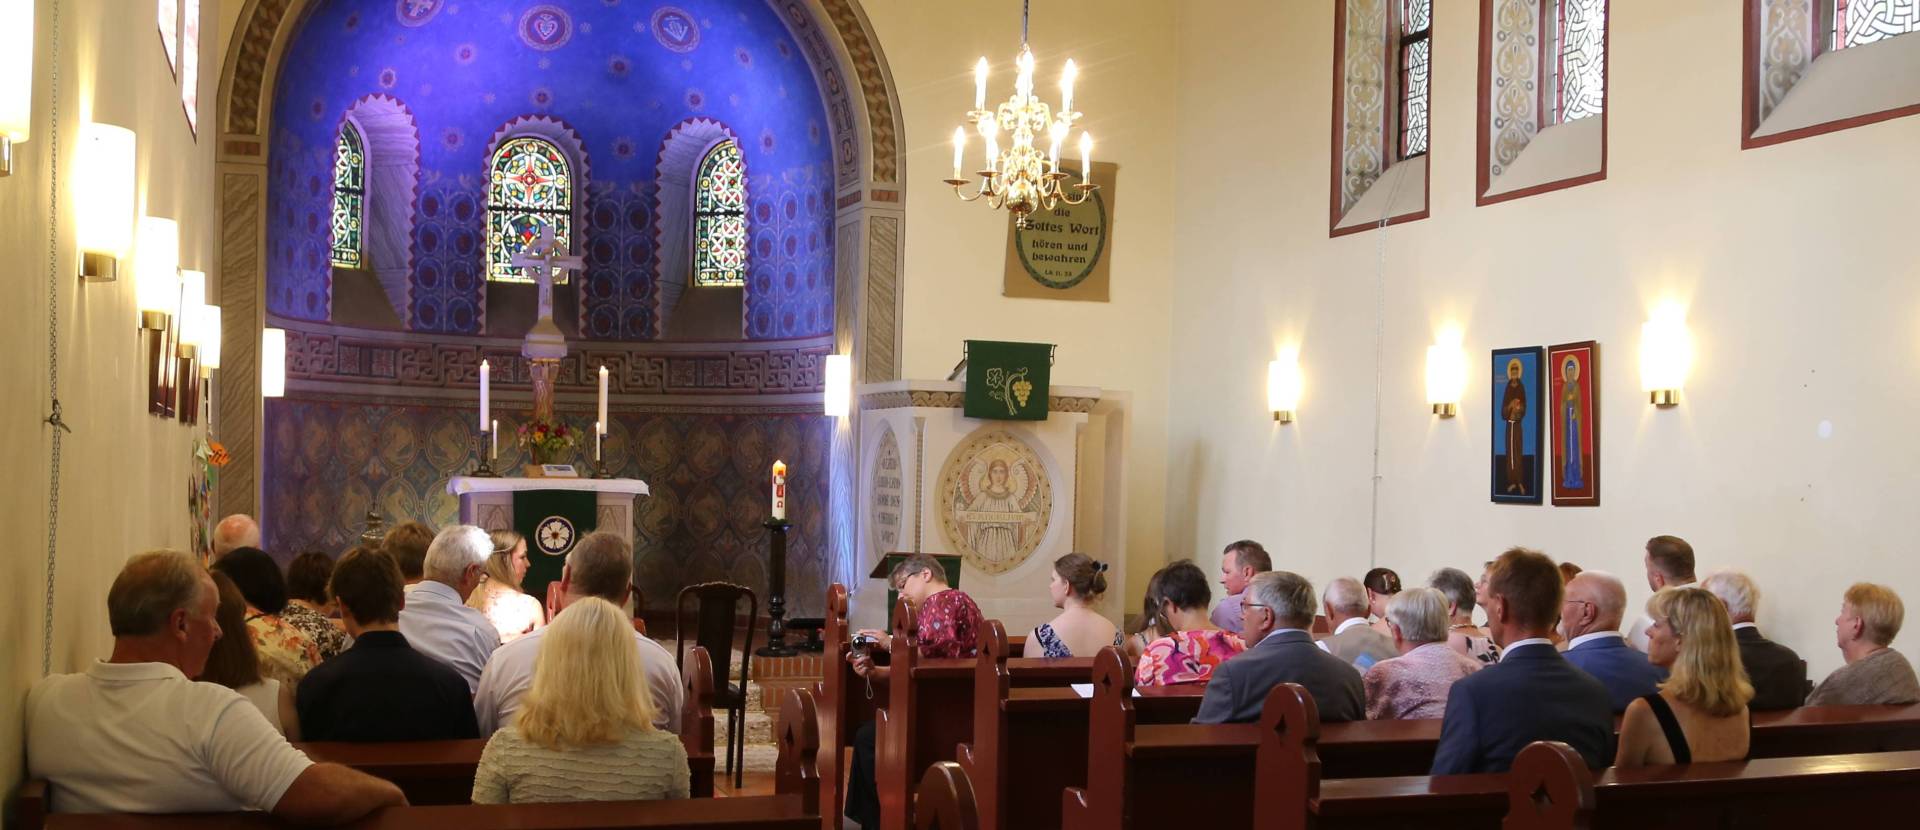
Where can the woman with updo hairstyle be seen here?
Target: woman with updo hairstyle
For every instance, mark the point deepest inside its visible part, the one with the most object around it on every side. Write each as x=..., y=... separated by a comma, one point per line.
x=1187, y=646
x=500, y=597
x=1075, y=585
x=1381, y=585
x=1700, y=712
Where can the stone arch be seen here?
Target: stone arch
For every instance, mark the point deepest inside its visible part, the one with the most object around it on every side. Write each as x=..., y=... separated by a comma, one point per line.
x=865, y=123
x=675, y=166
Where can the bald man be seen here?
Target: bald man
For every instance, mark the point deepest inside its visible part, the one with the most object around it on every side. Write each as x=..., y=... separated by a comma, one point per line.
x=236, y=531
x=1353, y=640
x=1590, y=618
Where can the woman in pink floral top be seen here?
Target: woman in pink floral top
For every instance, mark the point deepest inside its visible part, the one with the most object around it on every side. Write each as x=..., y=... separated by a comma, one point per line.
x=286, y=654
x=948, y=625
x=1183, y=646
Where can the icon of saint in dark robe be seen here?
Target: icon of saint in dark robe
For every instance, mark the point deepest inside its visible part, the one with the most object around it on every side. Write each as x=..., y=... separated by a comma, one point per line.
x=1571, y=475
x=1513, y=410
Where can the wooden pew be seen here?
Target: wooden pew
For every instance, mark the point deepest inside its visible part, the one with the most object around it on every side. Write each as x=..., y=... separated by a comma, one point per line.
x=1030, y=743
x=794, y=806
x=945, y=800
x=1132, y=768
x=441, y=772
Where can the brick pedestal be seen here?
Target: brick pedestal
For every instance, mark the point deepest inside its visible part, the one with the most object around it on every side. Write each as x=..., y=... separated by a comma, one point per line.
x=775, y=675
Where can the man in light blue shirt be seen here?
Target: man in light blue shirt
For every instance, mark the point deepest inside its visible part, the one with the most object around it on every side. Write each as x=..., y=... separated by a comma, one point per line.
x=436, y=620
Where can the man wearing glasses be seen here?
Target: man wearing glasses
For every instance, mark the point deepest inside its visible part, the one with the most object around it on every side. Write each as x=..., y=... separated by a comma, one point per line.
x=1274, y=617
x=1590, y=620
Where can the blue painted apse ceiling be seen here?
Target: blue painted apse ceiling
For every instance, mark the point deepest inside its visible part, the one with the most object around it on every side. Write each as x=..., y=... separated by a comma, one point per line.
x=620, y=74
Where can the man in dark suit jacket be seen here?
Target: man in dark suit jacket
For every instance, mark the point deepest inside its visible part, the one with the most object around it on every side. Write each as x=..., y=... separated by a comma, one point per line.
x=1590, y=620
x=1778, y=675
x=1275, y=613
x=1532, y=694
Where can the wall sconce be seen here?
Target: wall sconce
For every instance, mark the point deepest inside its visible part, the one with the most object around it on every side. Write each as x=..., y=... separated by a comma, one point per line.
x=1666, y=355
x=104, y=181
x=16, y=70
x=839, y=383
x=1283, y=386
x=209, y=340
x=1446, y=376
x=157, y=292
x=273, y=363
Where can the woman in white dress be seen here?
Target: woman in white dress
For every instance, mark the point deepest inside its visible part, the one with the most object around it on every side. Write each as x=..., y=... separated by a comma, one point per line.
x=512, y=612
x=235, y=664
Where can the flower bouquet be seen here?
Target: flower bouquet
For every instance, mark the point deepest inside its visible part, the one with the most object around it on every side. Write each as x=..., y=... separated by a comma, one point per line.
x=546, y=440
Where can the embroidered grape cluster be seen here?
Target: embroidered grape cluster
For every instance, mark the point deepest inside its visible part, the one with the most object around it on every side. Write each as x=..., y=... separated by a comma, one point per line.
x=1022, y=389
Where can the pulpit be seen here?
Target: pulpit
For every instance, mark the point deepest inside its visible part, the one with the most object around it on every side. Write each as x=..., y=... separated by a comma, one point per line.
x=1006, y=497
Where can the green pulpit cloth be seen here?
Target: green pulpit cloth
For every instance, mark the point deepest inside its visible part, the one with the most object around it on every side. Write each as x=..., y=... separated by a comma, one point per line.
x=1008, y=381
x=552, y=521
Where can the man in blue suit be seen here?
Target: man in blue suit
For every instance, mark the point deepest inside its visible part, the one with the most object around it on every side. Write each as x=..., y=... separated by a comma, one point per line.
x=1532, y=694
x=1590, y=620
x=1274, y=616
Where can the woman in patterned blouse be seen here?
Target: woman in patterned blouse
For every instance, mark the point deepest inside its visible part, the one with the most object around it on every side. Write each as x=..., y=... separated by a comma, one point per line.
x=286, y=654
x=1188, y=646
x=308, y=606
x=1075, y=585
x=948, y=625
x=1415, y=684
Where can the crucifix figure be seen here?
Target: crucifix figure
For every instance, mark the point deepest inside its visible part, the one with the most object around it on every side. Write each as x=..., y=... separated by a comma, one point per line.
x=543, y=254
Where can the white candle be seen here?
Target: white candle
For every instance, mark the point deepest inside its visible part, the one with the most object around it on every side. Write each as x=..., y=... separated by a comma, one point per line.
x=1059, y=134
x=485, y=369
x=494, y=451
x=959, y=149
x=1086, y=158
x=596, y=436
x=600, y=424
x=1067, y=75
x=1023, y=82
x=780, y=490
x=980, y=84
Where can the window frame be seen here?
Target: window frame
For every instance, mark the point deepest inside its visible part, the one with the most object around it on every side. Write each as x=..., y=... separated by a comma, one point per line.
x=1337, y=211
x=699, y=175
x=1403, y=42
x=1821, y=37
x=506, y=273
x=348, y=127
x=1483, y=151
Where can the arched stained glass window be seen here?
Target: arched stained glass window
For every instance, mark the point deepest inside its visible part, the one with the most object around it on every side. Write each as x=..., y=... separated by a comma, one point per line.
x=530, y=186
x=720, y=218
x=349, y=196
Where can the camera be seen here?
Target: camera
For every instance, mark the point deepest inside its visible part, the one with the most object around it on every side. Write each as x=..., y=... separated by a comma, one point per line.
x=863, y=643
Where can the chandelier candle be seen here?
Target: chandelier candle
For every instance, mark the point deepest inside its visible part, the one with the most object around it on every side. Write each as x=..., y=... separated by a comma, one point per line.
x=780, y=491
x=1023, y=179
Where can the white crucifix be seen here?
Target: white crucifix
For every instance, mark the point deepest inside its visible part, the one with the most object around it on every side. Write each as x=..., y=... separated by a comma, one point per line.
x=543, y=255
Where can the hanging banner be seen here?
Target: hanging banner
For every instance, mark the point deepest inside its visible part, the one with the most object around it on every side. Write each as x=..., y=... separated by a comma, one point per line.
x=1008, y=381
x=1064, y=253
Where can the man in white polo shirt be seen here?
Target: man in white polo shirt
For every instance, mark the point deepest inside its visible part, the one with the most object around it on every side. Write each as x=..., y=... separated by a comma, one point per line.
x=134, y=735
x=436, y=620
x=601, y=565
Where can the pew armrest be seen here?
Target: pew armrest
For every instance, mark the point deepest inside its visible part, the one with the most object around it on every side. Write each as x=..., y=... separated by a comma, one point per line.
x=30, y=805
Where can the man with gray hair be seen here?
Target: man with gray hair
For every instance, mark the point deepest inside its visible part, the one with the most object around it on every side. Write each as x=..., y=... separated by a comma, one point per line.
x=600, y=565
x=436, y=620
x=236, y=531
x=1353, y=640
x=1778, y=675
x=1275, y=615
x=1590, y=615
x=134, y=735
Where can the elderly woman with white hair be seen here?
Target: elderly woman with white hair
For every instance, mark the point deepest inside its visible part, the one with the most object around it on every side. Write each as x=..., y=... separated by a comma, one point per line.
x=1415, y=684
x=585, y=730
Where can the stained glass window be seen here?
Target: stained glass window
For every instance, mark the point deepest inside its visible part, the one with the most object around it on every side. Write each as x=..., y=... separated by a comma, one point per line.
x=169, y=22
x=1416, y=52
x=349, y=196
x=1578, y=29
x=531, y=186
x=720, y=218
x=1858, y=22
x=190, y=63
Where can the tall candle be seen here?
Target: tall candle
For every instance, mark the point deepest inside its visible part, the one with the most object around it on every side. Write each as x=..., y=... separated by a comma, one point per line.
x=601, y=423
x=494, y=451
x=486, y=369
x=780, y=490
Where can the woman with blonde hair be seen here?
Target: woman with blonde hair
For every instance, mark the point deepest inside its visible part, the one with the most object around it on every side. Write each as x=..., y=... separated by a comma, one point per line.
x=585, y=730
x=1700, y=712
x=500, y=596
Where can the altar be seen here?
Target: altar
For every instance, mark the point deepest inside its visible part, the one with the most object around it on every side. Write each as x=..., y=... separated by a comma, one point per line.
x=487, y=503
x=1008, y=497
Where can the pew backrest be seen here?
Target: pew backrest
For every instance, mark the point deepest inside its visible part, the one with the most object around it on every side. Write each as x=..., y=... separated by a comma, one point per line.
x=945, y=800
x=696, y=721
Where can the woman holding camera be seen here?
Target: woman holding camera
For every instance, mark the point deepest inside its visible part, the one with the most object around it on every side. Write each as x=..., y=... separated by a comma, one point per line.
x=948, y=624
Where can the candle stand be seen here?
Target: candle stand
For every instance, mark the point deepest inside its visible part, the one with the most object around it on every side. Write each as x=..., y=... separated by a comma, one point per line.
x=485, y=470
x=777, y=591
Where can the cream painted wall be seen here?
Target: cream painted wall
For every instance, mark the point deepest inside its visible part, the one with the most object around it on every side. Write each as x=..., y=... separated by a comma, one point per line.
x=124, y=472
x=955, y=252
x=1797, y=263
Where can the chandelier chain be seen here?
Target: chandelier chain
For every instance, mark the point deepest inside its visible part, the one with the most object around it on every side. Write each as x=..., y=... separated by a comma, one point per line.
x=60, y=427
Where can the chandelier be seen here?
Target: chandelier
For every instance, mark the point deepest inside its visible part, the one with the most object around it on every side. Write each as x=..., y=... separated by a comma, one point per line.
x=1022, y=179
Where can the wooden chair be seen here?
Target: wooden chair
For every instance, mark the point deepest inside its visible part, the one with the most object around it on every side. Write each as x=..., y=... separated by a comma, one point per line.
x=716, y=621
